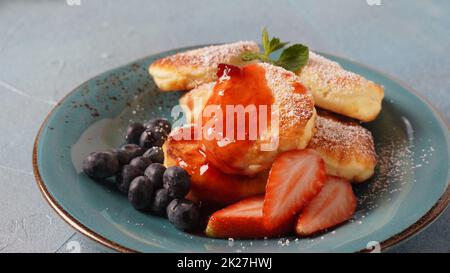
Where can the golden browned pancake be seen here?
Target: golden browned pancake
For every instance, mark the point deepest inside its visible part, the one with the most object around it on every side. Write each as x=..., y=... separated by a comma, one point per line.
x=296, y=114
x=187, y=70
x=333, y=87
x=346, y=147
x=341, y=91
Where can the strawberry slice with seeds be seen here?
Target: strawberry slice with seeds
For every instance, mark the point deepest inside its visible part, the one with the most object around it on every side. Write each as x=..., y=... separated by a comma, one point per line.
x=295, y=178
x=240, y=220
x=335, y=204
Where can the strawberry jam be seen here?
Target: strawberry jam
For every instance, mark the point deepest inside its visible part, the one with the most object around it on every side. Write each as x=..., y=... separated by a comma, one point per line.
x=208, y=183
x=231, y=117
x=299, y=88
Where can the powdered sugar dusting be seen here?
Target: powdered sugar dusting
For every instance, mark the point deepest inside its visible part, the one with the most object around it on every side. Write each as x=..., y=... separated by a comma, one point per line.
x=295, y=108
x=342, y=135
x=211, y=56
x=279, y=77
x=329, y=75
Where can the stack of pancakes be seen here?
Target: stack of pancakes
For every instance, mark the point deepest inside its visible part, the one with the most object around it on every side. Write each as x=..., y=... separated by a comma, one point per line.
x=326, y=118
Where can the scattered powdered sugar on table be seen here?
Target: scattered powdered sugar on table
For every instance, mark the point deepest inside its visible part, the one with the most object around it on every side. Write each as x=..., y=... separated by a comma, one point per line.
x=395, y=161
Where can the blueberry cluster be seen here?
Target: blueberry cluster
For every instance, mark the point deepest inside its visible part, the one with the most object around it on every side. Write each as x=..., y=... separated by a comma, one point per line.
x=140, y=174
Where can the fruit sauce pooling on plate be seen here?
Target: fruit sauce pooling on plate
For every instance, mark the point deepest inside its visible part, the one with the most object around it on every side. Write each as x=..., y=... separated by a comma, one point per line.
x=244, y=87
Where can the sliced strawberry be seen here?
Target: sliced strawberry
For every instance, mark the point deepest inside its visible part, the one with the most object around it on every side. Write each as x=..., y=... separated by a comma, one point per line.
x=240, y=220
x=335, y=204
x=294, y=179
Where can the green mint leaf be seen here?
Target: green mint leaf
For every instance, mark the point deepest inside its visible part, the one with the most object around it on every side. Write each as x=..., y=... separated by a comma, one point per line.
x=293, y=57
x=275, y=44
x=250, y=56
x=265, y=41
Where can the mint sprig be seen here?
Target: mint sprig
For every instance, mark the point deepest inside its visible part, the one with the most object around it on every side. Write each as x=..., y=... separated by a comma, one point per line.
x=292, y=58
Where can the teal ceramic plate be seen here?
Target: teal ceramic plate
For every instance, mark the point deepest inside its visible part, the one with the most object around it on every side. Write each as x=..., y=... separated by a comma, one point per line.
x=410, y=188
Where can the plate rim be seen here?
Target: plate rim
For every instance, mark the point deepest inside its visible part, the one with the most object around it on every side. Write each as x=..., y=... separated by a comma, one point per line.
x=430, y=216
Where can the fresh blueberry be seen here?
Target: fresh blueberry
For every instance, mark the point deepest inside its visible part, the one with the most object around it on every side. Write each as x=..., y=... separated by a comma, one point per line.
x=100, y=165
x=134, y=132
x=161, y=200
x=162, y=123
x=183, y=214
x=140, y=193
x=140, y=162
x=125, y=176
x=155, y=173
x=123, y=157
x=152, y=137
x=155, y=154
x=177, y=181
x=133, y=150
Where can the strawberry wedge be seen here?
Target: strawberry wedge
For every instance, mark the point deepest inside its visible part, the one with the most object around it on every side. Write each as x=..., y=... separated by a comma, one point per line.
x=295, y=178
x=240, y=220
x=335, y=204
